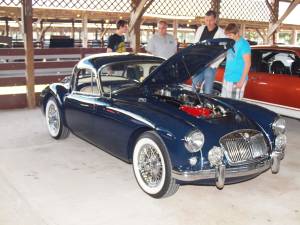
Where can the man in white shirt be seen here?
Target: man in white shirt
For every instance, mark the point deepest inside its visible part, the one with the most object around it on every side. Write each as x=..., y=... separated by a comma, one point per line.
x=162, y=44
x=207, y=32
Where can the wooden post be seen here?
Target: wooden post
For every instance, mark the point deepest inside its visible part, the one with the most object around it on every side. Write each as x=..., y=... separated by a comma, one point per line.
x=137, y=37
x=102, y=34
x=138, y=9
x=243, y=29
x=275, y=6
x=73, y=29
x=294, y=37
x=96, y=34
x=85, y=31
x=175, y=26
x=216, y=5
x=42, y=33
x=29, y=51
x=6, y=27
x=153, y=28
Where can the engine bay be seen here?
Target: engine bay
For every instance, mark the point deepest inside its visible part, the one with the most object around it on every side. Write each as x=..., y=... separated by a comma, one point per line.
x=196, y=105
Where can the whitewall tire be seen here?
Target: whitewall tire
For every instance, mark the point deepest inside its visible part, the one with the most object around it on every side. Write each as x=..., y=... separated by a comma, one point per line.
x=152, y=166
x=54, y=120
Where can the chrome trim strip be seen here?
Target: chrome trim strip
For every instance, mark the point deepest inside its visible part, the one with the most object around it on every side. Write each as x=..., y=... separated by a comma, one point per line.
x=246, y=170
x=280, y=109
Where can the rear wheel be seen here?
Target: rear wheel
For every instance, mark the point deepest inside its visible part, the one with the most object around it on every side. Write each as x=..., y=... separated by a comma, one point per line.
x=152, y=166
x=54, y=121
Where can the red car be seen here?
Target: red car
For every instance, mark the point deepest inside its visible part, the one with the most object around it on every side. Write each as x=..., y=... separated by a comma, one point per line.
x=274, y=79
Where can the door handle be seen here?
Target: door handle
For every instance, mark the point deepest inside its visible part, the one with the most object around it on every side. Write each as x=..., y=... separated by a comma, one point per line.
x=84, y=105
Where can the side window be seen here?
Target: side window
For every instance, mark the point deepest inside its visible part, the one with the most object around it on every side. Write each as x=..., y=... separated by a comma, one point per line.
x=113, y=76
x=121, y=75
x=256, y=62
x=86, y=82
x=282, y=62
x=277, y=62
x=295, y=67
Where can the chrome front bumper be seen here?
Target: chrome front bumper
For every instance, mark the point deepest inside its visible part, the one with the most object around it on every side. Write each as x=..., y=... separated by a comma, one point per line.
x=220, y=173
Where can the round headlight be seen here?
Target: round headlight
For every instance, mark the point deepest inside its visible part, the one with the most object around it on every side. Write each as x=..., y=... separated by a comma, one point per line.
x=279, y=126
x=194, y=141
x=280, y=142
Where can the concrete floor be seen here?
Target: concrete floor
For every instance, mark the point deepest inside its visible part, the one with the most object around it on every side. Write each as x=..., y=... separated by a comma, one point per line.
x=70, y=182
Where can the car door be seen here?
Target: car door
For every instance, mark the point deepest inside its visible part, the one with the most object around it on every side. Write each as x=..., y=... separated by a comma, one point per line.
x=272, y=81
x=254, y=87
x=114, y=123
x=80, y=104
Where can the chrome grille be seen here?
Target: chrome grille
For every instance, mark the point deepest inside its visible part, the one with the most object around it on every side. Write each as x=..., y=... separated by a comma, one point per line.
x=244, y=146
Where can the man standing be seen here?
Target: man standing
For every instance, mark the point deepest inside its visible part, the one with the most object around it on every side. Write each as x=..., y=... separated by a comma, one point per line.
x=207, y=32
x=162, y=44
x=238, y=62
x=116, y=42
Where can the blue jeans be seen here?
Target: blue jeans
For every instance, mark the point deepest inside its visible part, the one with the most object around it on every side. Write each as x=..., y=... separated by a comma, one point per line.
x=208, y=75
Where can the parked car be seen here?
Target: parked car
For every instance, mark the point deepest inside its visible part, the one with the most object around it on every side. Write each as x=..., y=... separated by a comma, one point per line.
x=138, y=108
x=274, y=79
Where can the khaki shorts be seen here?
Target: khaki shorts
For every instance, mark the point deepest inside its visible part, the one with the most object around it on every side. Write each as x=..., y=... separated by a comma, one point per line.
x=229, y=90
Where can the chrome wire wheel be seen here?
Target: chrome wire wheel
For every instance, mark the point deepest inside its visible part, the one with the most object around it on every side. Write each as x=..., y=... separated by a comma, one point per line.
x=53, y=118
x=149, y=166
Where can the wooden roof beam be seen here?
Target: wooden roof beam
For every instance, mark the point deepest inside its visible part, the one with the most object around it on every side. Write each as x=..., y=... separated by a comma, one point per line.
x=273, y=13
x=139, y=7
x=291, y=7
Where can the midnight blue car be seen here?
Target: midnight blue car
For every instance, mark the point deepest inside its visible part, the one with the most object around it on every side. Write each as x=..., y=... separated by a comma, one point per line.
x=138, y=108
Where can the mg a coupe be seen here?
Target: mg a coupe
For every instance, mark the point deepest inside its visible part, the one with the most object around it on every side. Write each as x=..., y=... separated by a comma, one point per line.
x=138, y=108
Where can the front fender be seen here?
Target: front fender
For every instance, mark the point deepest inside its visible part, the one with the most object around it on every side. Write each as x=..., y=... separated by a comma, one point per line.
x=58, y=91
x=170, y=129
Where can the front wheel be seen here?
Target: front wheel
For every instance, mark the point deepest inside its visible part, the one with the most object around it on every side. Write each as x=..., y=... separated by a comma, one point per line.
x=54, y=120
x=152, y=166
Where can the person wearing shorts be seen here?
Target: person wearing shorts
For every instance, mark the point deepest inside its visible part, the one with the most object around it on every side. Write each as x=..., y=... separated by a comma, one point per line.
x=238, y=62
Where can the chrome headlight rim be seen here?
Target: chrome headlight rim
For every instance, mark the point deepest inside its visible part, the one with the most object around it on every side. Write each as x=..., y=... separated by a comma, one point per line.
x=194, y=141
x=279, y=126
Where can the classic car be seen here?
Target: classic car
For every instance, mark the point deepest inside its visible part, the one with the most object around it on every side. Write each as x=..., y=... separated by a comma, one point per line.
x=274, y=79
x=138, y=108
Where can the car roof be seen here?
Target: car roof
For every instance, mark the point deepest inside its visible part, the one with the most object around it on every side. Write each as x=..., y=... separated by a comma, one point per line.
x=97, y=60
x=290, y=48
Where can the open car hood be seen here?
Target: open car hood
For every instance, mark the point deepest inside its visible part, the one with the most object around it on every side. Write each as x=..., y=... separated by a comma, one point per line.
x=188, y=62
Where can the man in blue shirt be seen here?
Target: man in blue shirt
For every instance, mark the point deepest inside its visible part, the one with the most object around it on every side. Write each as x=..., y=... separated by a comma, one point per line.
x=238, y=62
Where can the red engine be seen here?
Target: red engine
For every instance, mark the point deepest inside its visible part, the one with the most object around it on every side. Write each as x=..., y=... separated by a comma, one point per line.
x=196, y=111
